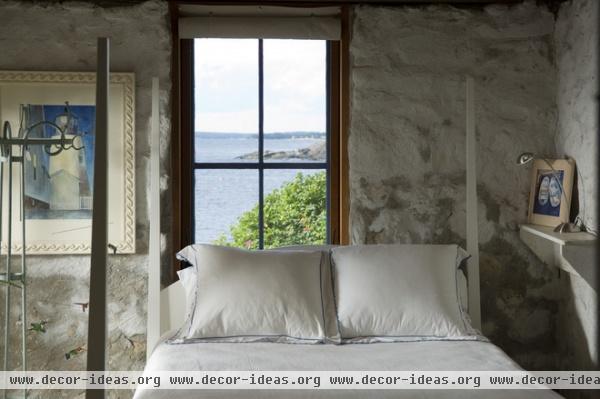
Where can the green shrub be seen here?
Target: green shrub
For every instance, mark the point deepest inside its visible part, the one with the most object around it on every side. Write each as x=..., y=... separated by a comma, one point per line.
x=294, y=214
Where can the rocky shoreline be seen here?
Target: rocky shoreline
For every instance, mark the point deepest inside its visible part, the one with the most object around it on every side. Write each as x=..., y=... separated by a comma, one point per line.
x=316, y=152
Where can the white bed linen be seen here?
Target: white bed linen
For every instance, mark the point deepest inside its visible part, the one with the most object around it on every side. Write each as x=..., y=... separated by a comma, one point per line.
x=249, y=296
x=427, y=355
x=399, y=292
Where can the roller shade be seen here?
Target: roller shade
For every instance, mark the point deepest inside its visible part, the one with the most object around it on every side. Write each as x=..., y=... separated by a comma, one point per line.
x=260, y=22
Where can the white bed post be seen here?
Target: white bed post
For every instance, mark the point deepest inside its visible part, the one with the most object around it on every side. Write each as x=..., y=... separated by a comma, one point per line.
x=153, y=329
x=472, y=226
x=97, y=331
x=166, y=308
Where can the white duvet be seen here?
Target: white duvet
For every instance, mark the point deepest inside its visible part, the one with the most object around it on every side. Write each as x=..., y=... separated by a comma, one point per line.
x=417, y=356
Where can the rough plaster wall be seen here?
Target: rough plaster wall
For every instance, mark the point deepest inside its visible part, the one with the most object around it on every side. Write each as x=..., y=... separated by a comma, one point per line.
x=576, y=38
x=62, y=37
x=576, y=41
x=406, y=147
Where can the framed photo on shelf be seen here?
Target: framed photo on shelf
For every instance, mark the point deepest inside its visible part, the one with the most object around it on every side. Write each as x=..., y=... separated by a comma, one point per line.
x=59, y=188
x=551, y=191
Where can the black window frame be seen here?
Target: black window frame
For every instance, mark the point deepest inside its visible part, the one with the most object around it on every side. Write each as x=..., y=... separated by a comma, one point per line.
x=261, y=165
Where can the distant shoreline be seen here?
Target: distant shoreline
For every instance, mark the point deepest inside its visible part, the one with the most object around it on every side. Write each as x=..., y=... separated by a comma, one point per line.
x=315, y=152
x=270, y=136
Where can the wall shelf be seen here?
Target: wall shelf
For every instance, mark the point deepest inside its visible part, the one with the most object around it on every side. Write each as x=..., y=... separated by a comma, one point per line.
x=574, y=253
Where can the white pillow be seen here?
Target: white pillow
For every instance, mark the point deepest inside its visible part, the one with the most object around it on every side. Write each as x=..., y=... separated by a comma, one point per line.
x=248, y=296
x=399, y=293
x=332, y=332
x=188, y=277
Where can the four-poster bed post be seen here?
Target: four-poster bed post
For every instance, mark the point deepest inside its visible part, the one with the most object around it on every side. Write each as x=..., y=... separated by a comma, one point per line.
x=471, y=207
x=97, y=327
x=153, y=330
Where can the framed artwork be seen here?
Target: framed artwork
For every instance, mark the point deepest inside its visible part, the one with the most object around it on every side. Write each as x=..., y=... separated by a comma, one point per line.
x=551, y=190
x=59, y=188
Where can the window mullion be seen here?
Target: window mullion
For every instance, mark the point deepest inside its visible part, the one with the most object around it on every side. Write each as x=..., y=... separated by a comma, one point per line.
x=261, y=226
x=256, y=165
x=328, y=142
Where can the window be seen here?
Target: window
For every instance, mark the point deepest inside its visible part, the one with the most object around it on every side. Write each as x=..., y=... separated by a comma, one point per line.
x=262, y=134
x=258, y=100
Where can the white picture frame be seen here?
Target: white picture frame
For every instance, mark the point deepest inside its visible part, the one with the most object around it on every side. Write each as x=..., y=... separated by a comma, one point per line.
x=49, y=234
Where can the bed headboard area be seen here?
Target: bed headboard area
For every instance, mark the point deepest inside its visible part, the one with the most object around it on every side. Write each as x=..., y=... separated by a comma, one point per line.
x=166, y=309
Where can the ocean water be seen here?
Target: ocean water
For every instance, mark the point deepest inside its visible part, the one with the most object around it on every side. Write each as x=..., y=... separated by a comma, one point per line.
x=223, y=195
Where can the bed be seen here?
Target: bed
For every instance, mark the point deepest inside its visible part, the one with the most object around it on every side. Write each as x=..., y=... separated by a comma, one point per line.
x=166, y=313
x=429, y=355
x=458, y=353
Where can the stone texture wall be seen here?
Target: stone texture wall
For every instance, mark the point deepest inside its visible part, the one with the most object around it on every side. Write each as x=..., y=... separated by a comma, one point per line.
x=577, y=46
x=407, y=140
x=576, y=41
x=406, y=153
x=62, y=37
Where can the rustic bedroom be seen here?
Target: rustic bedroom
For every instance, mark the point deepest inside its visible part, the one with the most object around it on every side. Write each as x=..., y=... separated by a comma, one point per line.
x=299, y=199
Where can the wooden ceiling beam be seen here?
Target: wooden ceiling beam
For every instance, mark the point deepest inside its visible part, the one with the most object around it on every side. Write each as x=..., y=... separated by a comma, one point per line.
x=340, y=2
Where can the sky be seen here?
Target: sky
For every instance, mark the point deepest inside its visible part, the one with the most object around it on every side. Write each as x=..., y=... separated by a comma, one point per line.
x=226, y=85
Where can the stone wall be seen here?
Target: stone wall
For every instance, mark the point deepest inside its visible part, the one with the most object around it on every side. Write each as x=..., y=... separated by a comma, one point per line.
x=406, y=153
x=62, y=37
x=577, y=46
x=407, y=141
x=576, y=41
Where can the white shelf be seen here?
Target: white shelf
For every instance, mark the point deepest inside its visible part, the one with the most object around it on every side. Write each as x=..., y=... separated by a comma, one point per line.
x=560, y=238
x=572, y=252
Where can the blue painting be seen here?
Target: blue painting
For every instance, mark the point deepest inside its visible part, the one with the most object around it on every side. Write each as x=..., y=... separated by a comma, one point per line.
x=548, y=192
x=60, y=186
